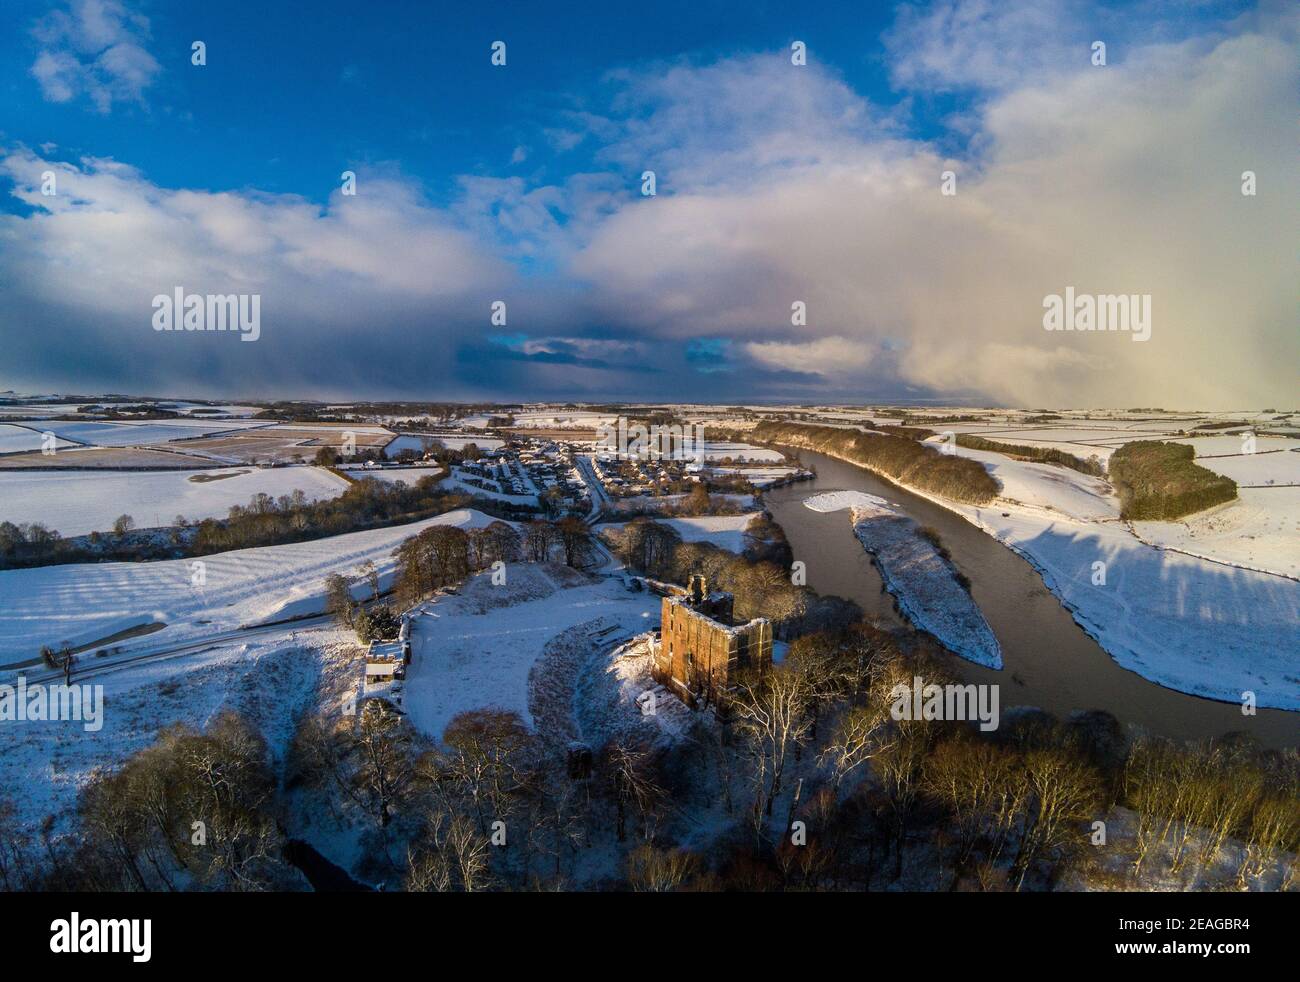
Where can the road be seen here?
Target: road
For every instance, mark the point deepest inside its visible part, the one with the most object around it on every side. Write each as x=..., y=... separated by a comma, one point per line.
x=599, y=499
x=85, y=668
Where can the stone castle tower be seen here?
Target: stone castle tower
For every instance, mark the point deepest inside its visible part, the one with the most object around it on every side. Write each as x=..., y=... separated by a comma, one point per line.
x=701, y=649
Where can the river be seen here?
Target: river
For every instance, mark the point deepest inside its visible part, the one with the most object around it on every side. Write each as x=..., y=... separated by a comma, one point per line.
x=1048, y=660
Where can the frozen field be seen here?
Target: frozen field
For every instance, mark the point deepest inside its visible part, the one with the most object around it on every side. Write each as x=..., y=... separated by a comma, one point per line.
x=1260, y=531
x=1232, y=444
x=1260, y=469
x=725, y=531
x=102, y=434
x=479, y=649
x=268, y=680
x=22, y=439
x=1196, y=626
x=80, y=604
x=419, y=443
x=77, y=502
x=548, y=420
x=760, y=477
x=741, y=452
x=391, y=474
x=1047, y=487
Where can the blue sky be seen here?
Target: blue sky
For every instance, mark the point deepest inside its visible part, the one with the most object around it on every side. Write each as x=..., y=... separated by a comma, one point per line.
x=776, y=183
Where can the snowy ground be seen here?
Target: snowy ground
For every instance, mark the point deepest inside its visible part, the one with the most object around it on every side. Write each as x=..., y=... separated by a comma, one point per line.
x=724, y=531
x=419, y=442
x=830, y=501
x=760, y=477
x=741, y=452
x=131, y=434
x=457, y=482
x=479, y=648
x=1203, y=627
x=82, y=603
x=1260, y=531
x=1264, y=468
x=24, y=439
x=268, y=681
x=407, y=474
x=77, y=502
x=1047, y=488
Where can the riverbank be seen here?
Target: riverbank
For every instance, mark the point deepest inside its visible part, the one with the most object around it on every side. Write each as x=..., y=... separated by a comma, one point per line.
x=1186, y=624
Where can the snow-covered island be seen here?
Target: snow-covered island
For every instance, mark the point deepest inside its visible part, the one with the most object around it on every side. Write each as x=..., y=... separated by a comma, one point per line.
x=922, y=581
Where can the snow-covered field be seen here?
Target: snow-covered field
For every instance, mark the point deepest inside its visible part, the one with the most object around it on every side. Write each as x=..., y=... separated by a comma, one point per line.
x=740, y=452
x=479, y=648
x=725, y=531
x=77, y=502
x=1260, y=469
x=1048, y=488
x=82, y=603
x=101, y=434
x=760, y=477
x=268, y=680
x=577, y=420
x=1260, y=531
x=23, y=439
x=419, y=443
x=1194, y=625
x=407, y=474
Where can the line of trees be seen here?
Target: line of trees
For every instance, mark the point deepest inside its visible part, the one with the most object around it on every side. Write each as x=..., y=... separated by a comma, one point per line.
x=1041, y=455
x=444, y=555
x=904, y=460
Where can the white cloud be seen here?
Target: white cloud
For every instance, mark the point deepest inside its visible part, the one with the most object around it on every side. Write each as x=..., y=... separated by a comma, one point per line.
x=952, y=44
x=833, y=357
x=94, y=48
x=1122, y=179
x=366, y=277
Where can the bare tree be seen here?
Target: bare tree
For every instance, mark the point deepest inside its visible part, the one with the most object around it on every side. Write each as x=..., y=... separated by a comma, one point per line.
x=385, y=769
x=539, y=537
x=770, y=710
x=338, y=599
x=651, y=870
x=370, y=573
